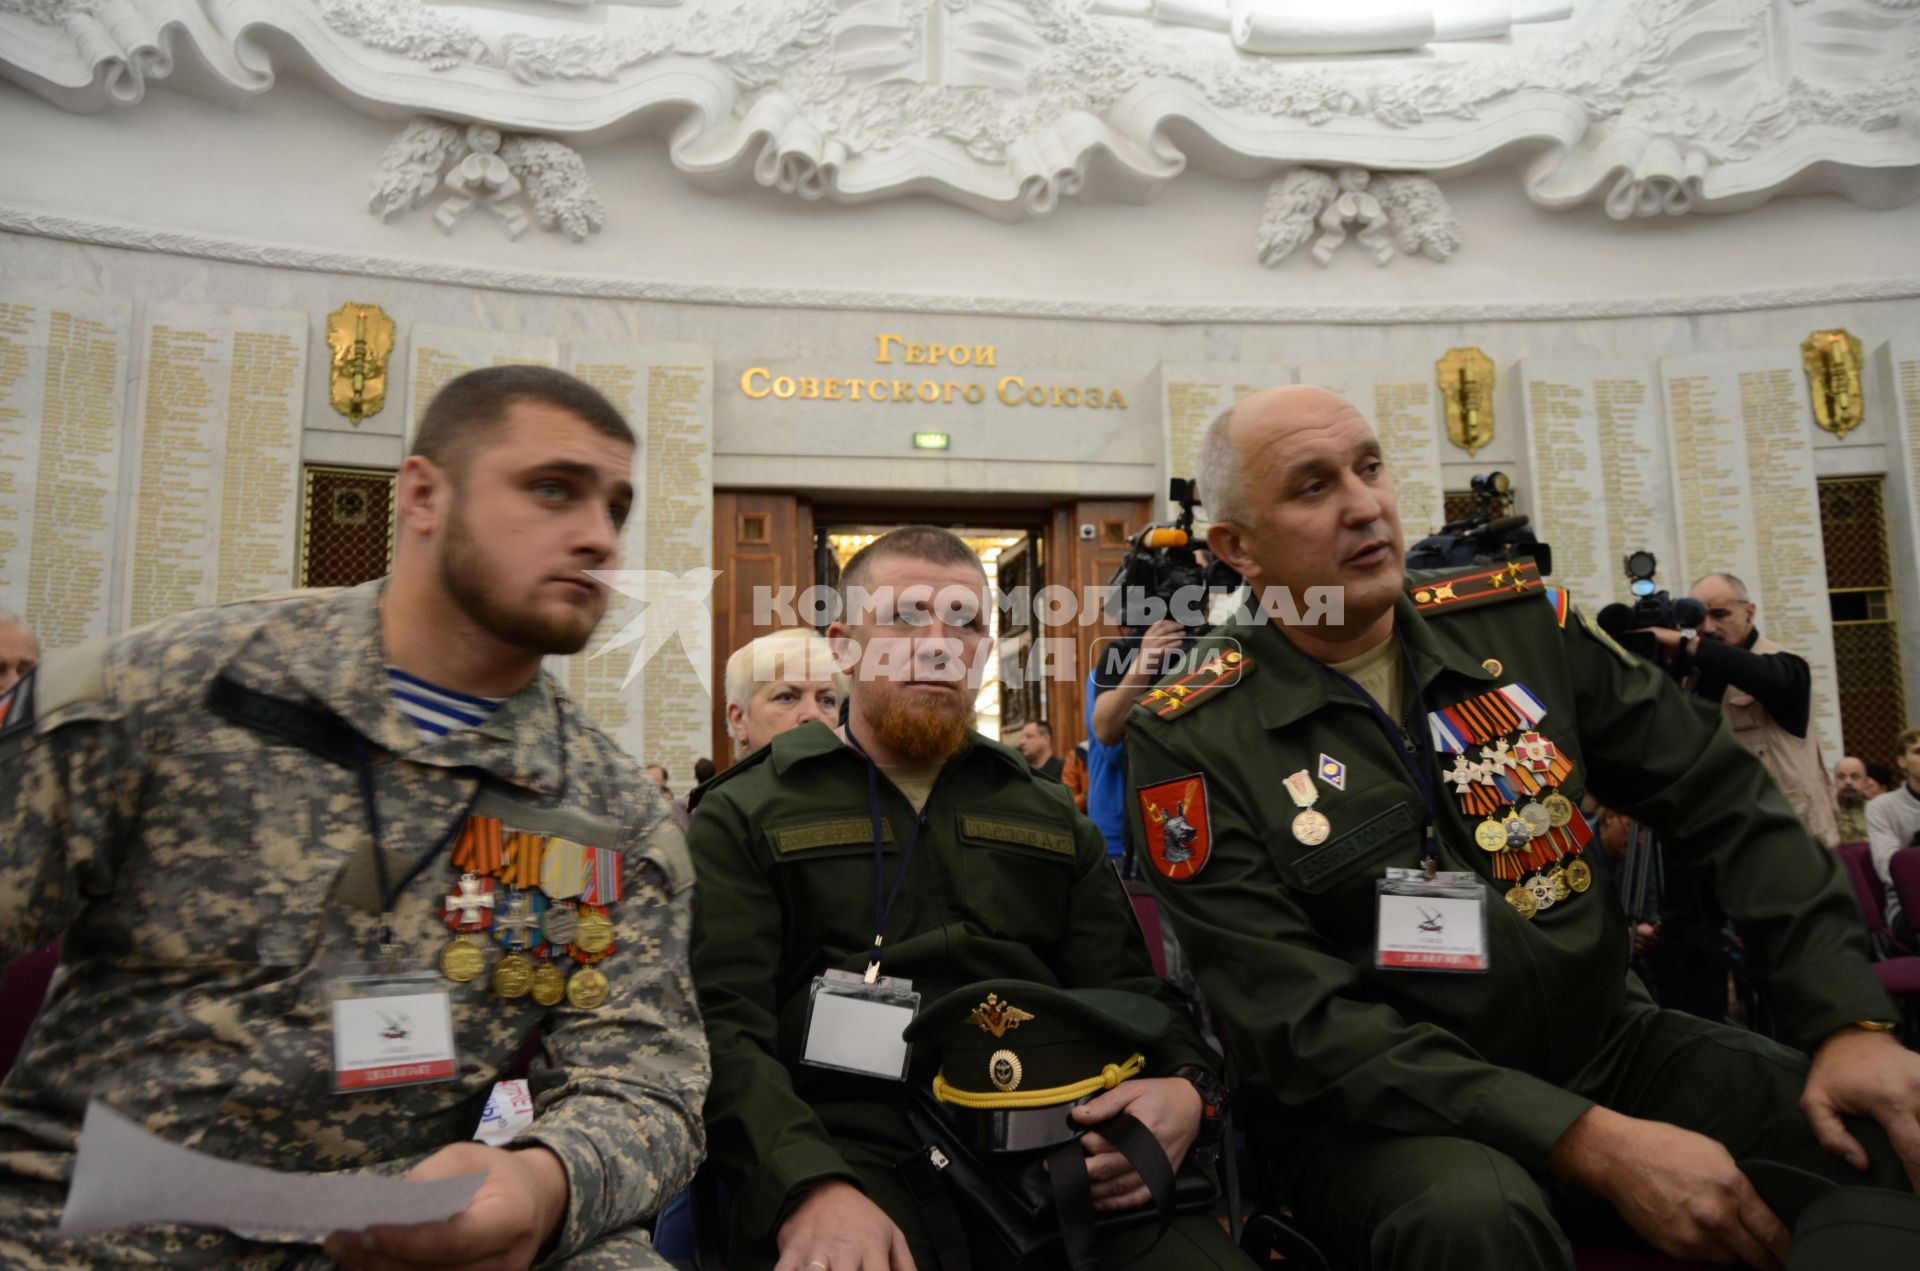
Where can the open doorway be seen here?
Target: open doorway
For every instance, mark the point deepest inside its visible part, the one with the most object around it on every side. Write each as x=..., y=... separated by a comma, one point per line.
x=779, y=543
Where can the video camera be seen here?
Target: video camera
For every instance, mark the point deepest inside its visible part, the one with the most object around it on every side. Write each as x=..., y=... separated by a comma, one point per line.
x=1491, y=536
x=1163, y=562
x=1650, y=608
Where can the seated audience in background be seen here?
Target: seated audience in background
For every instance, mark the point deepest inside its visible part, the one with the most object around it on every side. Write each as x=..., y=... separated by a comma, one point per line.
x=702, y=773
x=1880, y=779
x=1036, y=747
x=780, y=681
x=226, y=811
x=988, y=873
x=1893, y=822
x=660, y=778
x=19, y=654
x=1851, y=790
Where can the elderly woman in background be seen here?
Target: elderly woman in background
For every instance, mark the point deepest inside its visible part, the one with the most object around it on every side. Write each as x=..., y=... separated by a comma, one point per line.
x=781, y=681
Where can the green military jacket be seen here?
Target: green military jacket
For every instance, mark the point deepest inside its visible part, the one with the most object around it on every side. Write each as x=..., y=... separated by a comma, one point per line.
x=1281, y=934
x=1007, y=880
x=210, y=874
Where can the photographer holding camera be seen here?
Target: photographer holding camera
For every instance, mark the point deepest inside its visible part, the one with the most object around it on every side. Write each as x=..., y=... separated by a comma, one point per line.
x=1163, y=591
x=1765, y=690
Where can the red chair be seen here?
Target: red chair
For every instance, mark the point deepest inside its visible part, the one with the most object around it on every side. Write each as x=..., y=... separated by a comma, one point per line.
x=1146, y=911
x=1905, y=868
x=1898, y=969
x=23, y=987
x=1872, y=896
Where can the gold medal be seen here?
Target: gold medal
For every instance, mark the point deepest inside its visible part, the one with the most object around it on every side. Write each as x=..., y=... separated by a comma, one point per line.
x=1557, y=877
x=1522, y=901
x=1312, y=827
x=1579, y=874
x=595, y=932
x=587, y=989
x=549, y=984
x=461, y=960
x=1536, y=816
x=513, y=976
x=1490, y=835
x=1559, y=808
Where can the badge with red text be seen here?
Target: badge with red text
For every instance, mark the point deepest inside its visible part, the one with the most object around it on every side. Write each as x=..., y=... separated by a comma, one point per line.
x=1179, y=833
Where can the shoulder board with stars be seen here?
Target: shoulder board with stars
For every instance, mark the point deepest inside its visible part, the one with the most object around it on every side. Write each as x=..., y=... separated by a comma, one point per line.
x=1177, y=697
x=1479, y=587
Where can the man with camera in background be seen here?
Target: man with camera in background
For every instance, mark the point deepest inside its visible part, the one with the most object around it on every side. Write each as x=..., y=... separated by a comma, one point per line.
x=1165, y=586
x=1765, y=690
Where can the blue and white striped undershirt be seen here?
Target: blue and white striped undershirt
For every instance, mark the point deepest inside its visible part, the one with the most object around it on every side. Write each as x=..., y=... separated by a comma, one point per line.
x=437, y=711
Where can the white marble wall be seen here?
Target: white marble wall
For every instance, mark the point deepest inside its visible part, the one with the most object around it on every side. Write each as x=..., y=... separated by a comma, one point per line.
x=1022, y=451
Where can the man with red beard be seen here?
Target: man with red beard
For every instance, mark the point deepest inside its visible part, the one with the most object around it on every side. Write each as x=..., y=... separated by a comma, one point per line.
x=838, y=864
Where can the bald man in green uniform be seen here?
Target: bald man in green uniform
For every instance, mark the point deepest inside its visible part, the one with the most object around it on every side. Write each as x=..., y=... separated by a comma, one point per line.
x=1456, y=1065
x=905, y=843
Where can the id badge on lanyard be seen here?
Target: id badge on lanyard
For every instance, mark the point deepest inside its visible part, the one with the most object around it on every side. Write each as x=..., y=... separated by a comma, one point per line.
x=390, y=1028
x=1437, y=924
x=856, y=1026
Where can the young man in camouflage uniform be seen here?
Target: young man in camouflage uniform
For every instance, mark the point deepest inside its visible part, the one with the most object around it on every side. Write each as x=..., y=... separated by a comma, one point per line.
x=1445, y=1119
x=220, y=813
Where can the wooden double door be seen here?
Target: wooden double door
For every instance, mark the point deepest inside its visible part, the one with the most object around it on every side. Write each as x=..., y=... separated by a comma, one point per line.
x=767, y=541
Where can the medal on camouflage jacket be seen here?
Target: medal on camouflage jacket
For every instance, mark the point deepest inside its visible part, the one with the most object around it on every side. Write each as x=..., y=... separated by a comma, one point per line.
x=467, y=909
x=516, y=927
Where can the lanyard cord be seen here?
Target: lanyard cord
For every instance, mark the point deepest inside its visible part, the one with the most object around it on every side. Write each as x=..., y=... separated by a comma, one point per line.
x=389, y=895
x=1405, y=748
x=885, y=897
x=372, y=802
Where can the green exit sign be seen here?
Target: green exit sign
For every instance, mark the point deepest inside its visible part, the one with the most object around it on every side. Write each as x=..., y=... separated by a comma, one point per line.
x=931, y=441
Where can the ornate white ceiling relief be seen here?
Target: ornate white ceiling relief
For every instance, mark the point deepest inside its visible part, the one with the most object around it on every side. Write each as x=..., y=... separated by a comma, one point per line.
x=475, y=168
x=1382, y=212
x=1643, y=107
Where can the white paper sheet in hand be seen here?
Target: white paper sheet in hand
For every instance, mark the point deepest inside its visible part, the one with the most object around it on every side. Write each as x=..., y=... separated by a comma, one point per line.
x=126, y=1177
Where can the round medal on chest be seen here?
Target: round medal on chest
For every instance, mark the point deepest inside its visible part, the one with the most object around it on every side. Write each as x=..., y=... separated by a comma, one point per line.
x=1490, y=835
x=549, y=984
x=587, y=989
x=1559, y=808
x=1312, y=827
x=561, y=925
x=513, y=976
x=461, y=960
x=595, y=932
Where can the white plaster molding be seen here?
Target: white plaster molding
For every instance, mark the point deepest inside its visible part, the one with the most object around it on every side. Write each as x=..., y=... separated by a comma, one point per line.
x=480, y=169
x=1650, y=107
x=1388, y=210
x=599, y=286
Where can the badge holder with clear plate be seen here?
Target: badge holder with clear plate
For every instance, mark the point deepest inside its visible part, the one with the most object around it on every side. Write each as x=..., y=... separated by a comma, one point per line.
x=1437, y=924
x=390, y=1028
x=856, y=1026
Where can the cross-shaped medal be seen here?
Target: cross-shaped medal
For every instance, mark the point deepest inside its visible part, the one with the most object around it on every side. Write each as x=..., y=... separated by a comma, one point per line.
x=1497, y=756
x=1465, y=774
x=513, y=927
x=470, y=901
